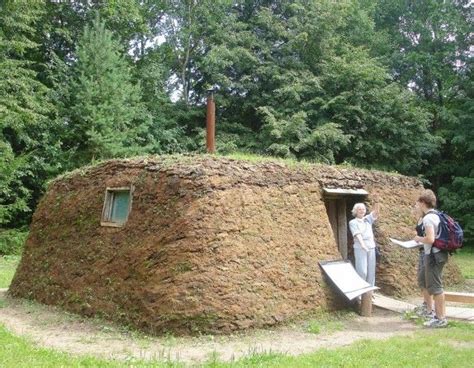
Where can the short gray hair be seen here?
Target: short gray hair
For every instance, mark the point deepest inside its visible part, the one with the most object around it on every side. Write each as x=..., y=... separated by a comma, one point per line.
x=356, y=207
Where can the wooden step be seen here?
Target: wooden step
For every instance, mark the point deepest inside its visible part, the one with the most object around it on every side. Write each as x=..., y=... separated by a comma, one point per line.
x=451, y=296
x=400, y=306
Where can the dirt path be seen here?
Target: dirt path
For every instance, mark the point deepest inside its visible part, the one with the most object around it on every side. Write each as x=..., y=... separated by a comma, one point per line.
x=53, y=328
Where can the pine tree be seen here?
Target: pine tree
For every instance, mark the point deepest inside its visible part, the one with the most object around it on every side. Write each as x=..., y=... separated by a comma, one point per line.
x=24, y=112
x=103, y=115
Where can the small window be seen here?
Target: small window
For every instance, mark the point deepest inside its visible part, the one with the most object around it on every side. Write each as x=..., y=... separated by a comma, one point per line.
x=117, y=206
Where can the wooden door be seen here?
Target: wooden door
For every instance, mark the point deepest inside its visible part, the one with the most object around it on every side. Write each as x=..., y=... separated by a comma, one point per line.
x=337, y=213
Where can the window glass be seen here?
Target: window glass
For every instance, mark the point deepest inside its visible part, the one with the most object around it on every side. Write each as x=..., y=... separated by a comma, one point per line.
x=117, y=206
x=120, y=206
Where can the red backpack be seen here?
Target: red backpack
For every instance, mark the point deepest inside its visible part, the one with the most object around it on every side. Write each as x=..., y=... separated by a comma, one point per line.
x=450, y=235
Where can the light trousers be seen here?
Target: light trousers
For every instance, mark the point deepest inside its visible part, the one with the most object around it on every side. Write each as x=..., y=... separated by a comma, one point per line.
x=365, y=264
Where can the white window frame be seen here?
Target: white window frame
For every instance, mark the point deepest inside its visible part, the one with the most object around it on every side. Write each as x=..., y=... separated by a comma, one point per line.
x=107, y=207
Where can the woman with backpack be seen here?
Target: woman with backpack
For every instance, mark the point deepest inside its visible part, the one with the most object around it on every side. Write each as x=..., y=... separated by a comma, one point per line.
x=434, y=258
x=426, y=309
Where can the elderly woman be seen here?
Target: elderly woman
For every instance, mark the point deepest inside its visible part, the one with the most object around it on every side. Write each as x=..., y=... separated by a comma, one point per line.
x=364, y=242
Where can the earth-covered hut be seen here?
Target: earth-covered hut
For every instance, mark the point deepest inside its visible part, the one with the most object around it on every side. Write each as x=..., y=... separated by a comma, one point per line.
x=208, y=244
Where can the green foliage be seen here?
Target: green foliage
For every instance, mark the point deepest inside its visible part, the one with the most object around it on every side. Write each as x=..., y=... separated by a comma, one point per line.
x=104, y=116
x=14, y=197
x=188, y=29
x=289, y=74
x=169, y=136
x=293, y=137
x=430, y=51
x=428, y=38
x=381, y=84
x=27, y=140
x=387, y=128
x=457, y=196
x=12, y=241
x=458, y=200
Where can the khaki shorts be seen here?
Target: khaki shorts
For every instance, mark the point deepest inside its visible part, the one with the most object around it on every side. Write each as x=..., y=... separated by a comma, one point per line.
x=434, y=264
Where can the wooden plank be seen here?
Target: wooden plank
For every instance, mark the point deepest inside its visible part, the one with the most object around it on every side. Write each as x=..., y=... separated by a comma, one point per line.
x=460, y=313
x=331, y=208
x=392, y=304
x=400, y=306
x=341, y=191
x=451, y=296
x=342, y=227
x=366, y=304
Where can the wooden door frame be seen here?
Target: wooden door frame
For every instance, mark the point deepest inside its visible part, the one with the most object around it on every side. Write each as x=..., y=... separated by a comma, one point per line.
x=336, y=206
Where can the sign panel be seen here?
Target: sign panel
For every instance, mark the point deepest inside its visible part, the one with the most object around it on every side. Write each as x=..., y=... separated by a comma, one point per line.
x=345, y=277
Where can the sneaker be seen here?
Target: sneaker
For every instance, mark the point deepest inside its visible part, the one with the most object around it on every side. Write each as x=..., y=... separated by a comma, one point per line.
x=435, y=322
x=428, y=315
x=422, y=311
x=420, y=307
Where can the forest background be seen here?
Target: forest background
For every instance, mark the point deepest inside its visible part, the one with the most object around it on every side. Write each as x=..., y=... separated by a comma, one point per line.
x=380, y=84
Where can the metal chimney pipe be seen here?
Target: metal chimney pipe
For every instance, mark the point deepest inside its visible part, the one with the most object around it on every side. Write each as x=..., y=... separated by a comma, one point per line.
x=211, y=124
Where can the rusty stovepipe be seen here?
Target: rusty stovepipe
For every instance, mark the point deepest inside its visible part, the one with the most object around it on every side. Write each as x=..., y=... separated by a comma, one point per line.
x=211, y=124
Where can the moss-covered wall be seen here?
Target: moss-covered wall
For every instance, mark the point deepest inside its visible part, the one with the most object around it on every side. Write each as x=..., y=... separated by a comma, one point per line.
x=210, y=244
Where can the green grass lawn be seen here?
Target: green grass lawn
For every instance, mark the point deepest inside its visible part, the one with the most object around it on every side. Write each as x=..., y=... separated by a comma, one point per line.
x=16, y=352
x=451, y=347
x=8, y=266
x=465, y=260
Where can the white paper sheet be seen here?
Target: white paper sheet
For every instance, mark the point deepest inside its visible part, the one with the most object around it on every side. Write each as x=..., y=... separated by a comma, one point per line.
x=406, y=244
